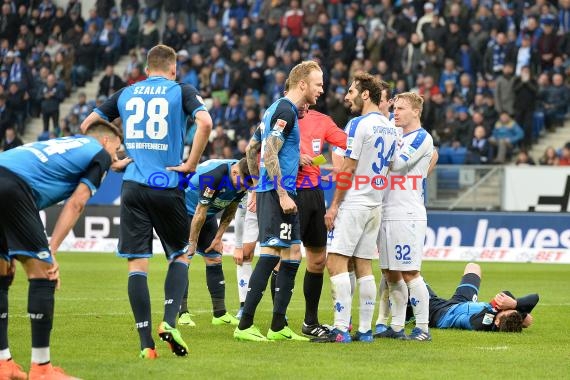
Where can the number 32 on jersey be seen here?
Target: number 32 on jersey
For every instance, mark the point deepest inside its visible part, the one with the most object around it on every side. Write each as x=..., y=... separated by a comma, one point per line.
x=151, y=114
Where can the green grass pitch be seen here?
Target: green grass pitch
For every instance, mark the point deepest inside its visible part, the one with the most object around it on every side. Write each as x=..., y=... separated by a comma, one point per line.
x=94, y=335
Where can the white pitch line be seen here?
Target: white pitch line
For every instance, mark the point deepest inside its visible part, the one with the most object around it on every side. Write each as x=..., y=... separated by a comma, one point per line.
x=197, y=312
x=121, y=299
x=496, y=348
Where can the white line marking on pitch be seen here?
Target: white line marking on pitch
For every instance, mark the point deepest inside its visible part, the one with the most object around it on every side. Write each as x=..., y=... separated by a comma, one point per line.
x=496, y=348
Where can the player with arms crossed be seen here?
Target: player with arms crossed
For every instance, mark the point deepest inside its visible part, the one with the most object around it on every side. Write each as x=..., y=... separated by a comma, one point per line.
x=279, y=234
x=404, y=222
x=154, y=114
x=383, y=293
x=353, y=218
x=218, y=185
x=504, y=313
x=32, y=178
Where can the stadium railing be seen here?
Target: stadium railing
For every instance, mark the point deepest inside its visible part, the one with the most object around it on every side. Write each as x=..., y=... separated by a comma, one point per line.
x=465, y=187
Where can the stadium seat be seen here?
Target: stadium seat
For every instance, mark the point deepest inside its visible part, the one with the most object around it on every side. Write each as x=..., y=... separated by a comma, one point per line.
x=448, y=179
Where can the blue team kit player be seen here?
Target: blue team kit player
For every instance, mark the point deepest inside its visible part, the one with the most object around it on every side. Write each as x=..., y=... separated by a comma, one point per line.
x=154, y=114
x=505, y=312
x=218, y=186
x=32, y=178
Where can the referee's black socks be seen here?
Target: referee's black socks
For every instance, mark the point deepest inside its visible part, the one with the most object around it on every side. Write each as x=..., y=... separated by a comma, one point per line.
x=312, y=288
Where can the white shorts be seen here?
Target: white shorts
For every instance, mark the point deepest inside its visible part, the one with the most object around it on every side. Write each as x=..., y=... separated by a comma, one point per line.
x=355, y=233
x=238, y=226
x=401, y=244
x=250, y=228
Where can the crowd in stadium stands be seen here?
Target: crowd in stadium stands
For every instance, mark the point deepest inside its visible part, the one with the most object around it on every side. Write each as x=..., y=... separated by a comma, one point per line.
x=494, y=74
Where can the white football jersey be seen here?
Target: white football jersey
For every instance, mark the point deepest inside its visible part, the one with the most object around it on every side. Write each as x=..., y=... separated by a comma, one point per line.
x=372, y=140
x=404, y=197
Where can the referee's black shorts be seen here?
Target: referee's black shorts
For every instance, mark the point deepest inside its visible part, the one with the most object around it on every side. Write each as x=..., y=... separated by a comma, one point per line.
x=144, y=208
x=311, y=206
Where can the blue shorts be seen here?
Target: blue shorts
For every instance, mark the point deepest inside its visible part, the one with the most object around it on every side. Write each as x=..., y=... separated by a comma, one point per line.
x=276, y=229
x=144, y=208
x=206, y=237
x=466, y=291
x=21, y=229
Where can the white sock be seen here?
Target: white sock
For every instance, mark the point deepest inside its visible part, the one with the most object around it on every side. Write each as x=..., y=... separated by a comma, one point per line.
x=399, y=301
x=367, y=292
x=419, y=298
x=383, y=303
x=40, y=355
x=352, y=276
x=342, y=300
x=243, y=275
x=5, y=354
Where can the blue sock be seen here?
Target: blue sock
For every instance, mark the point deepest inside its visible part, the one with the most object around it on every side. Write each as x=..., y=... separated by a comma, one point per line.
x=4, y=286
x=139, y=298
x=257, y=285
x=283, y=292
x=174, y=287
x=184, y=303
x=40, y=308
x=217, y=288
x=272, y=283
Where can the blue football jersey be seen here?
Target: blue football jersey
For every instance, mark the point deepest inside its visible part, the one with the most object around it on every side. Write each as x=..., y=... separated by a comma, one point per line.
x=281, y=120
x=154, y=113
x=212, y=186
x=54, y=168
x=461, y=316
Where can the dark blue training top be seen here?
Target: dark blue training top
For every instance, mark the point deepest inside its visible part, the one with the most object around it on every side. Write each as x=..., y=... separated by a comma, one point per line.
x=54, y=168
x=154, y=114
x=212, y=186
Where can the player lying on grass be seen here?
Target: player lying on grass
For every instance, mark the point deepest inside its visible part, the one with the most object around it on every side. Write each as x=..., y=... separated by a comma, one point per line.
x=218, y=185
x=504, y=313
